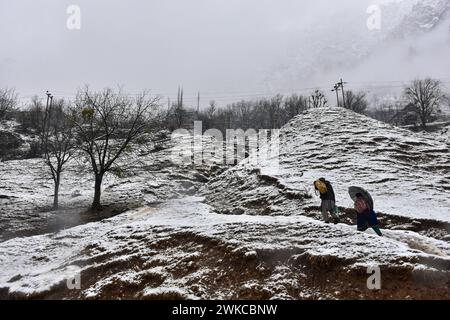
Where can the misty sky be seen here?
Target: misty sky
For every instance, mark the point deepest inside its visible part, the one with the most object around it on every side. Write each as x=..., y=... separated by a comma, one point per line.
x=226, y=49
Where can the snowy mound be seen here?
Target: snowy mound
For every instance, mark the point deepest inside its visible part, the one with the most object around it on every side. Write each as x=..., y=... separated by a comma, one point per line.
x=407, y=173
x=181, y=249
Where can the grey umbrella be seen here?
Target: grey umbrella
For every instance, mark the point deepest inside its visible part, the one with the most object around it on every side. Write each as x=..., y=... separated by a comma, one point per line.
x=353, y=191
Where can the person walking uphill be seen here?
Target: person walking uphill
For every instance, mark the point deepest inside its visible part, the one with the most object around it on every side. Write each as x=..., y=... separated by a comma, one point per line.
x=366, y=216
x=327, y=196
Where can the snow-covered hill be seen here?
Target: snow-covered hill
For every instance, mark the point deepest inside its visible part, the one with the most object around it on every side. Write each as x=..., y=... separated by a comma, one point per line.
x=407, y=173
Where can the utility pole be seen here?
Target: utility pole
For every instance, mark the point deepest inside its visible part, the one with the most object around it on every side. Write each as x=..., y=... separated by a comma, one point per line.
x=180, y=97
x=48, y=94
x=51, y=104
x=44, y=133
x=46, y=113
x=198, y=103
x=341, y=85
x=336, y=88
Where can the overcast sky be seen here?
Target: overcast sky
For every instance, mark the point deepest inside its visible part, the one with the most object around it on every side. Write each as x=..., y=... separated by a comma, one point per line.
x=222, y=48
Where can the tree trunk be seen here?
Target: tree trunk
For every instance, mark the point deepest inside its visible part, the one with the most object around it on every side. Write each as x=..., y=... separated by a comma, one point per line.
x=423, y=120
x=96, y=205
x=56, y=192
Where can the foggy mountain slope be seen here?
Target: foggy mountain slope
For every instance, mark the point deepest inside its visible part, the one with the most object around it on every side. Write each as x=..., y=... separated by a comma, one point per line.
x=424, y=16
x=408, y=174
x=411, y=32
x=226, y=50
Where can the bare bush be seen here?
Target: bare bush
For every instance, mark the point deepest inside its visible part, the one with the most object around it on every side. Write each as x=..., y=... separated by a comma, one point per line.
x=356, y=101
x=8, y=101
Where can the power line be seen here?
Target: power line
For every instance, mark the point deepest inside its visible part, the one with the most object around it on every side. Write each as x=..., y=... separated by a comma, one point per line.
x=193, y=98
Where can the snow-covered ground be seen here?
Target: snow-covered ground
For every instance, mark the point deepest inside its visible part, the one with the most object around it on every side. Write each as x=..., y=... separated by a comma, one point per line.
x=26, y=189
x=445, y=134
x=182, y=249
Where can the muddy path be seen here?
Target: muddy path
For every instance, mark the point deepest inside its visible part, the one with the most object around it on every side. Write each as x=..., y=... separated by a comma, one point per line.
x=255, y=193
x=439, y=230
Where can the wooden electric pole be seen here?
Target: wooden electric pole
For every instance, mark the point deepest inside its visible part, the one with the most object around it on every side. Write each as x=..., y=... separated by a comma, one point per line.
x=198, y=103
x=46, y=114
x=336, y=89
x=341, y=85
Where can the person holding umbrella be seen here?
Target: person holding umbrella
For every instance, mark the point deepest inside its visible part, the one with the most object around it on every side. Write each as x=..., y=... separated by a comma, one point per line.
x=366, y=216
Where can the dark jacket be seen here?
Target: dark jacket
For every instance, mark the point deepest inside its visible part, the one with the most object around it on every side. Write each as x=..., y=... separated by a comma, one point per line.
x=329, y=195
x=366, y=219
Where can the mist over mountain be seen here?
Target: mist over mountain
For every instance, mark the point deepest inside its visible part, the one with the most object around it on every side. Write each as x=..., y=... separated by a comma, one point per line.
x=413, y=41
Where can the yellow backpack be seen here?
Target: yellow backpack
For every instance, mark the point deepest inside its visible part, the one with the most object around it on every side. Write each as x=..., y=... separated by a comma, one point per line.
x=321, y=186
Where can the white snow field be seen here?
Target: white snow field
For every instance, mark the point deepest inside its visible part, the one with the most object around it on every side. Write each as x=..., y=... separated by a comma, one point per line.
x=182, y=249
x=251, y=232
x=26, y=189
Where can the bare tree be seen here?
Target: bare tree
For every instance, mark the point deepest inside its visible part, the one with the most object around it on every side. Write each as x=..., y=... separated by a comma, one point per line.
x=211, y=109
x=268, y=111
x=106, y=124
x=426, y=96
x=228, y=118
x=275, y=115
x=261, y=113
x=31, y=118
x=8, y=101
x=210, y=114
x=318, y=99
x=179, y=111
x=294, y=105
x=243, y=112
x=356, y=101
x=57, y=142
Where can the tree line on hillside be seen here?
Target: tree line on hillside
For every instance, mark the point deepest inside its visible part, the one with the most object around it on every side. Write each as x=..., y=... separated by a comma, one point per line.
x=421, y=103
x=267, y=113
